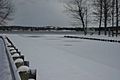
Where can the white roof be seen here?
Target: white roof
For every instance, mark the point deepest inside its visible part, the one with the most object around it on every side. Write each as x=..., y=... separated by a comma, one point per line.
x=23, y=68
x=19, y=60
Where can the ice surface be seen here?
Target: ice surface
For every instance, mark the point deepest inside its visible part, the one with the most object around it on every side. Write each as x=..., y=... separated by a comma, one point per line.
x=59, y=58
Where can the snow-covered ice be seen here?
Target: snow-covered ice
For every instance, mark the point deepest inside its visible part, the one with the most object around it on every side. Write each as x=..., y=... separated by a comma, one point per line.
x=59, y=58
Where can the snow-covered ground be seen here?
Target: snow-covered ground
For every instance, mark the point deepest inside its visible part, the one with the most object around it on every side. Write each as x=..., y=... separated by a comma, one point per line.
x=59, y=58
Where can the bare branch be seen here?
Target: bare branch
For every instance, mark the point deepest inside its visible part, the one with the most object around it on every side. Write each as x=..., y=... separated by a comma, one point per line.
x=6, y=9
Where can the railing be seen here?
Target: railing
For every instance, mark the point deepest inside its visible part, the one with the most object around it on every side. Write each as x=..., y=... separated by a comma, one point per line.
x=13, y=70
x=19, y=67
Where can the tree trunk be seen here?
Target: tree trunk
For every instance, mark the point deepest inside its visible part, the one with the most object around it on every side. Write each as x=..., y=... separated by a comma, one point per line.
x=83, y=23
x=113, y=5
x=82, y=20
x=101, y=7
x=117, y=18
x=105, y=24
x=86, y=22
x=105, y=17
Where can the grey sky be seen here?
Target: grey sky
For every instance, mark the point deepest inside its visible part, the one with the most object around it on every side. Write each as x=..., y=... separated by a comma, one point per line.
x=40, y=13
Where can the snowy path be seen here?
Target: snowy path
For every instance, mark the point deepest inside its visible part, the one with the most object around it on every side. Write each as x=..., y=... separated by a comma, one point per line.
x=5, y=73
x=58, y=58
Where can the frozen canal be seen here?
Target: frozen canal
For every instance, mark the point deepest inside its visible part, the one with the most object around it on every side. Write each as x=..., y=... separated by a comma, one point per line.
x=59, y=58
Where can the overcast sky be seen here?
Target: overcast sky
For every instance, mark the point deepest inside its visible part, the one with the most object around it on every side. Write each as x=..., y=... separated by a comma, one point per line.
x=40, y=13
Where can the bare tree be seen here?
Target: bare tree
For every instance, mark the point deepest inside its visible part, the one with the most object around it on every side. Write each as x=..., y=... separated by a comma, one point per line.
x=106, y=12
x=113, y=12
x=98, y=12
x=117, y=15
x=86, y=20
x=6, y=9
x=78, y=9
x=103, y=12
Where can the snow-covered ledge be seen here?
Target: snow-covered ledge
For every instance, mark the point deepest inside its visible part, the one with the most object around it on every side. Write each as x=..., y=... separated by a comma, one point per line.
x=14, y=73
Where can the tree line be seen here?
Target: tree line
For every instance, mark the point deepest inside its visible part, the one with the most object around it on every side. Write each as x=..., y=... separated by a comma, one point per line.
x=105, y=13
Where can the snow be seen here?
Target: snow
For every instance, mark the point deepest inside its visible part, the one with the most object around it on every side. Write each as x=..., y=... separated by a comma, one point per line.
x=100, y=37
x=31, y=79
x=13, y=51
x=23, y=68
x=15, y=55
x=19, y=60
x=5, y=73
x=11, y=48
x=59, y=58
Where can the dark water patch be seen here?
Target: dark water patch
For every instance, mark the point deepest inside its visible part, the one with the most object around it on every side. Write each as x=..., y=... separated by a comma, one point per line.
x=52, y=39
x=31, y=36
x=67, y=44
x=72, y=41
x=35, y=36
